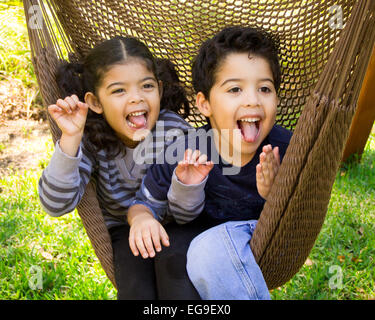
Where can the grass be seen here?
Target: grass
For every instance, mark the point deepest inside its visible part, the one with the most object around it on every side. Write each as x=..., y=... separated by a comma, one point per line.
x=345, y=248
x=31, y=241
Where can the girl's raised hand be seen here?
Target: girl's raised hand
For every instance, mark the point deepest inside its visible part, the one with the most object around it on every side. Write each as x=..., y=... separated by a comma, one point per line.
x=267, y=169
x=194, y=168
x=70, y=115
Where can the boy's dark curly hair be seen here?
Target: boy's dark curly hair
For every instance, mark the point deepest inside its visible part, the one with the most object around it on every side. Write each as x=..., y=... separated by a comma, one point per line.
x=86, y=76
x=236, y=39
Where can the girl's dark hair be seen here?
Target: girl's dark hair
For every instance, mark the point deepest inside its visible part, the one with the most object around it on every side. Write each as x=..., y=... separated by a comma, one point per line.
x=235, y=39
x=86, y=76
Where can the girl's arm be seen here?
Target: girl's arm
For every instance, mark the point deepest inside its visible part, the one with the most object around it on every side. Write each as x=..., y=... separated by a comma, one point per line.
x=70, y=116
x=64, y=180
x=146, y=234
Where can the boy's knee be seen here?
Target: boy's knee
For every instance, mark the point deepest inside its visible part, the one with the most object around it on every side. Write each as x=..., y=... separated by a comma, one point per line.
x=205, y=254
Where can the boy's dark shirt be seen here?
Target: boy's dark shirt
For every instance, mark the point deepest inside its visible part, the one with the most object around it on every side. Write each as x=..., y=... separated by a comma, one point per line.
x=227, y=197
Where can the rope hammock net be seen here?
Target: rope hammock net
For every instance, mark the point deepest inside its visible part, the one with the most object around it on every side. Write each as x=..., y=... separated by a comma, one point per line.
x=324, y=49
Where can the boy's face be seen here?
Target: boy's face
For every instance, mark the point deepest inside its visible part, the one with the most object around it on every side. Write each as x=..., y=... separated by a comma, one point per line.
x=242, y=100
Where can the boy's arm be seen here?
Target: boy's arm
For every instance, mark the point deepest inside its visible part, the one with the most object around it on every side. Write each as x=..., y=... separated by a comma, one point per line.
x=185, y=201
x=186, y=195
x=177, y=190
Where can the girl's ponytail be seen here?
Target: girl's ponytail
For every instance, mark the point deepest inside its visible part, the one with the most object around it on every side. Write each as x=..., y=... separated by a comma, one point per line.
x=174, y=95
x=69, y=78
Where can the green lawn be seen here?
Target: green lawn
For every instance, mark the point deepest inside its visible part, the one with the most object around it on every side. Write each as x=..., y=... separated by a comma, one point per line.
x=51, y=258
x=30, y=241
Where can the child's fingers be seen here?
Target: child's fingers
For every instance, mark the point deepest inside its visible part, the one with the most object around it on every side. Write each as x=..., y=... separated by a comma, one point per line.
x=194, y=157
x=265, y=170
x=147, y=240
x=259, y=174
x=75, y=98
x=156, y=238
x=163, y=236
x=140, y=245
x=82, y=108
x=271, y=162
x=276, y=160
x=276, y=154
x=187, y=155
x=202, y=159
x=53, y=109
x=71, y=102
x=63, y=105
x=132, y=244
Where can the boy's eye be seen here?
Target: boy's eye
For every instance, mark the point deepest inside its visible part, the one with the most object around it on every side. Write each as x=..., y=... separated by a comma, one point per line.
x=148, y=86
x=265, y=89
x=234, y=90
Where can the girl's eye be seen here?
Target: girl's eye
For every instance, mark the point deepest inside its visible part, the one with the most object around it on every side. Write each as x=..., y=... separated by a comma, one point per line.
x=119, y=91
x=235, y=90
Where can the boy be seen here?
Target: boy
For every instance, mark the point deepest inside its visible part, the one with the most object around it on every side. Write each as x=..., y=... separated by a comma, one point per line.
x=236, y=75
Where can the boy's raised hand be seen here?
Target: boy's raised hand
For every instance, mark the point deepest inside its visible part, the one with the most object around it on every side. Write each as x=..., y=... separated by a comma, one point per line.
x=70, y=115
x=267, y=169
x=194, y=168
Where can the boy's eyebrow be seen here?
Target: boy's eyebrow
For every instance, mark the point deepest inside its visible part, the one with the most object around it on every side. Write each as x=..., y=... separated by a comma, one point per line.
x=229, y=80
x=122, y=83
x=235, y=79
x=267, y=79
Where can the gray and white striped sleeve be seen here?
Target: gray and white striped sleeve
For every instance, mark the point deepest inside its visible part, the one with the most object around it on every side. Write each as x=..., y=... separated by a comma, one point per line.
x=63, y=181
x=185, y=202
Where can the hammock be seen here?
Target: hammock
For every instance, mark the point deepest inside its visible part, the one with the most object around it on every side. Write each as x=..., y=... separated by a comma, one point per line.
x=324, y=49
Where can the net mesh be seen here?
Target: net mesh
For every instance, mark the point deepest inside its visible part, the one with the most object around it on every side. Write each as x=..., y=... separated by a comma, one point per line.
x=306, y=31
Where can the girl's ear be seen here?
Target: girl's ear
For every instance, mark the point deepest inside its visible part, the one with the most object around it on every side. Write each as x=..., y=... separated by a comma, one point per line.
x=93, y=102
x=203, y=105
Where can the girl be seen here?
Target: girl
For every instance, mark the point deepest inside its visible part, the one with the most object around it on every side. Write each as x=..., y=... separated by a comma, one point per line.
x=125, y=91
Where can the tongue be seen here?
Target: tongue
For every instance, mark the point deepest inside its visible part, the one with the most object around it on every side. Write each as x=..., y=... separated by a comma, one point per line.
x=138, y=121
x=249, y=131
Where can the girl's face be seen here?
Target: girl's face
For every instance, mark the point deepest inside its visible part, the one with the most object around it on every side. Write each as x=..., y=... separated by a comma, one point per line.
x=129, y=97
x=242, y=104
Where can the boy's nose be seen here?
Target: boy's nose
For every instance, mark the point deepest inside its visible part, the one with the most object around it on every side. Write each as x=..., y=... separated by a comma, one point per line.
x=251, y=99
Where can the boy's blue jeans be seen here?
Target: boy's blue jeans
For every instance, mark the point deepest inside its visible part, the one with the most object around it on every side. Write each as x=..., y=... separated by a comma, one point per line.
x=221, y=265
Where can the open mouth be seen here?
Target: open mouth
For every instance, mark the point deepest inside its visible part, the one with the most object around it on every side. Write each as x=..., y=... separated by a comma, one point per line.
x=137, y=120
x=249, y=128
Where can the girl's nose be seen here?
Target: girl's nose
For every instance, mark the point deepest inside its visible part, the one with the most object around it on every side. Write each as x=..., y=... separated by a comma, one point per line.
x=136, y=97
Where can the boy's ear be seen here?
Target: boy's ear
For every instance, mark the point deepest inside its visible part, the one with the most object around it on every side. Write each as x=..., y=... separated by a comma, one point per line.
x=203, y=104
x=93, y=102
x=160, y=89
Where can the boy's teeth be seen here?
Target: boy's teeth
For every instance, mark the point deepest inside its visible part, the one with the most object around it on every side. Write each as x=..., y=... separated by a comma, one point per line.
x=250, y=119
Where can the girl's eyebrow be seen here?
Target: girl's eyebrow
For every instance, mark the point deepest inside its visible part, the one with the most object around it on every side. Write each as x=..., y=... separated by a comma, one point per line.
x=122, y=83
